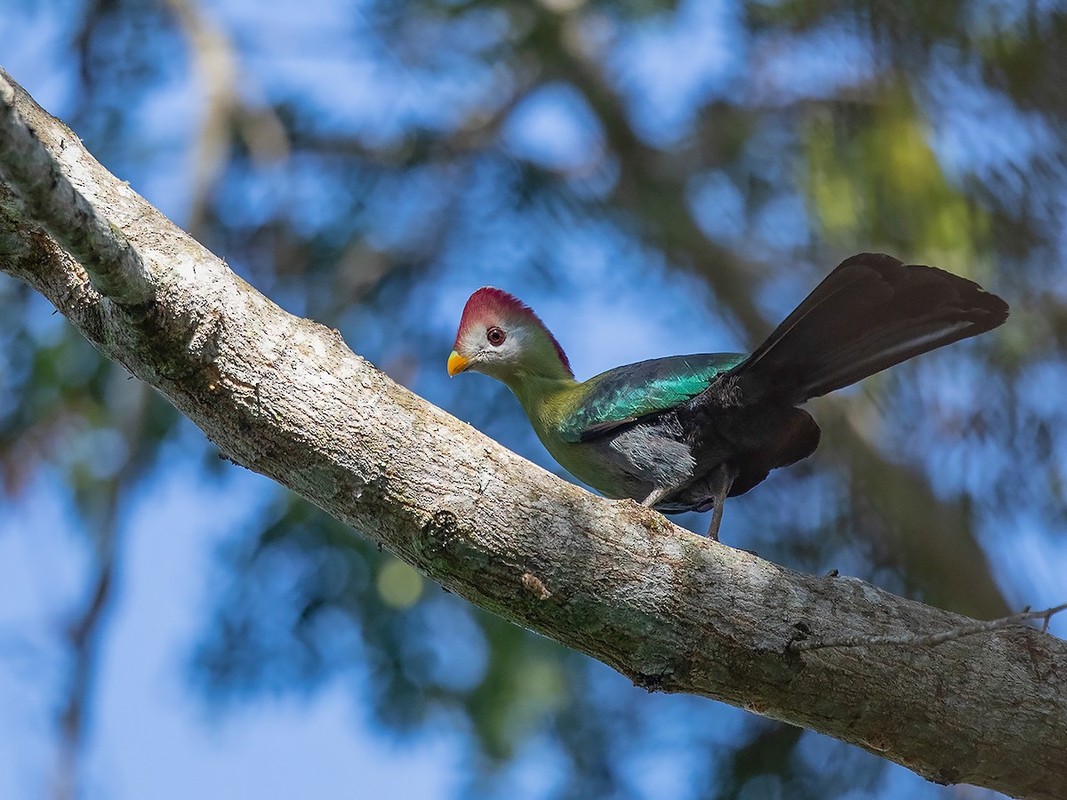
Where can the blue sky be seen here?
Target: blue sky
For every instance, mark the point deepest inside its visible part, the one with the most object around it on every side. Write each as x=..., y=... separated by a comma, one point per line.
x=151, y=734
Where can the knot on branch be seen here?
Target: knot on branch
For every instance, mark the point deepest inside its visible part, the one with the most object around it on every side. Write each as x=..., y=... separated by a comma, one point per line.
x=440, y=533
x=535, y=586
x=652, y=682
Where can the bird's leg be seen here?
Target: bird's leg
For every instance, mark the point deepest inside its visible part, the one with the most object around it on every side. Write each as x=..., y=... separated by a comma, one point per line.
x=716, y=519
x=722, y=480
x=656, y=495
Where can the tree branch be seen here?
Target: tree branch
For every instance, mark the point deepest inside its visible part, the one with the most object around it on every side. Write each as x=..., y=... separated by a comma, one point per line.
x=673, y=611
x=932, y=639
x=44, y=183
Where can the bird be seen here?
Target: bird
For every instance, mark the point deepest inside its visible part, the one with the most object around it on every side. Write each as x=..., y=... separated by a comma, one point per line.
x=684, y=433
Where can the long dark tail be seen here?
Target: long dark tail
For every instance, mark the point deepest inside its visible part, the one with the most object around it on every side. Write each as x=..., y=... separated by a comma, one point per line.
x=868, y=314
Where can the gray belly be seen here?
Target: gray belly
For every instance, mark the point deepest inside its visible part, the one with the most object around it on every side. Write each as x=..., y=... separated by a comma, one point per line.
x=648, y=456
x=681, y=450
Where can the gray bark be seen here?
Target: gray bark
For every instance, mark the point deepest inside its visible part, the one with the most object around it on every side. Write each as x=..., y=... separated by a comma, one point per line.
x=674, y=612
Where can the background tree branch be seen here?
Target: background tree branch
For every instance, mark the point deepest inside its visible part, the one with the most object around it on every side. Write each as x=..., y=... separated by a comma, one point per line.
x=286, y=398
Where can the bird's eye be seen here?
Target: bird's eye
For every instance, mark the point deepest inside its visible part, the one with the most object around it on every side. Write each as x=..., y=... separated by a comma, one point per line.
x=495, y=336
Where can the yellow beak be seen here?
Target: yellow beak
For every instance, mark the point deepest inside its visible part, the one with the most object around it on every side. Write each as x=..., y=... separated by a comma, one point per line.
x=456, y=364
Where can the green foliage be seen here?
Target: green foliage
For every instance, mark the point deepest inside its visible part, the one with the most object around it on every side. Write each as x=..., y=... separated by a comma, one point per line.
x=875, y=178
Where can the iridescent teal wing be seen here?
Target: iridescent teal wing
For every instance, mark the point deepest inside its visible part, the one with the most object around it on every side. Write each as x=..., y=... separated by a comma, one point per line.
x=626, y=394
